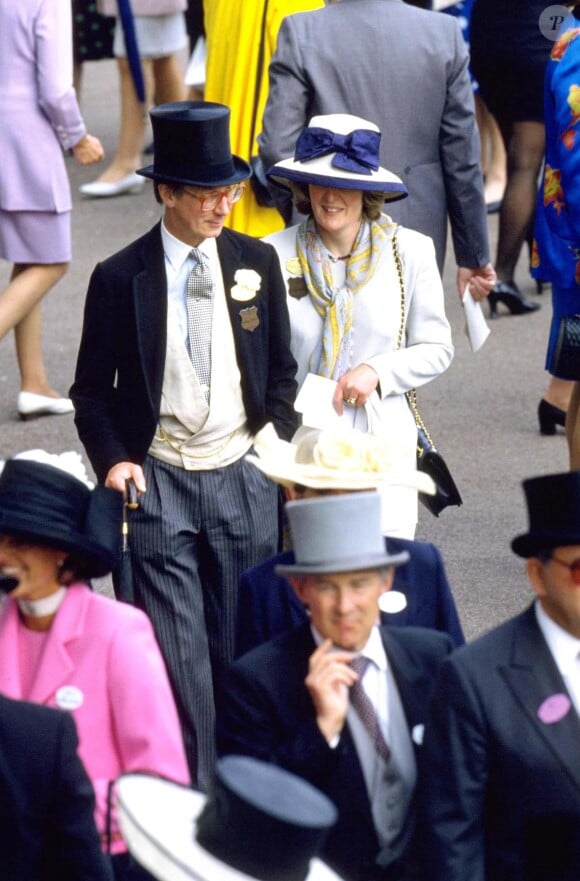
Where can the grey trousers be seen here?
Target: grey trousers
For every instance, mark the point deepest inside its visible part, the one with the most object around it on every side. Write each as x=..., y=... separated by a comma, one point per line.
x=192, y=537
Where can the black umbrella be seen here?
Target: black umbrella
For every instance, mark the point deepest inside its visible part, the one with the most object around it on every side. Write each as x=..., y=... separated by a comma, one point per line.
x=123, y=574
x=133, y=57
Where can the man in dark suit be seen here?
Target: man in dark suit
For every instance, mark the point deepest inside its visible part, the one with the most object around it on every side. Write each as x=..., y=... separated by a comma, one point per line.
x=502, y=739
x=341, y=701
x=47, y=828
x=404, y=69
x=268, y=606
x=184, y=356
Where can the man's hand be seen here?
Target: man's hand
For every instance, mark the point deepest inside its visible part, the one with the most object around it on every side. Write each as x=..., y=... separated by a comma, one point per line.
x=480, y=279
x=329, y=678
x=354, y=387
x=123, y=471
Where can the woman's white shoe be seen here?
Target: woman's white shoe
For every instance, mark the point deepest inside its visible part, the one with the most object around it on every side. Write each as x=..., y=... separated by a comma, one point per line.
x=131, y=183
x=31, y=405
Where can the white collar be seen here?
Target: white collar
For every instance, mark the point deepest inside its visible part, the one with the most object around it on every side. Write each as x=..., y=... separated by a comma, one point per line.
x=374, y=649
x=564, y=647
x=177, y=252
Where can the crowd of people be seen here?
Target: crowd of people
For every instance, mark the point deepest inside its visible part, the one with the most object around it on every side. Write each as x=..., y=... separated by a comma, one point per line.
x=281, y=653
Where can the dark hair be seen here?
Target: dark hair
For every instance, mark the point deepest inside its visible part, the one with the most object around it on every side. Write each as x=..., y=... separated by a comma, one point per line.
x=74, y=568
x=175, y=189
x=372, y=202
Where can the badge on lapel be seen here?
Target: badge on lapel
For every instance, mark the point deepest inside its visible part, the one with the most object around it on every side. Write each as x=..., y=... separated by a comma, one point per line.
x=554, y=708
x=69, y=697
x=297, y=288
x=250, y=318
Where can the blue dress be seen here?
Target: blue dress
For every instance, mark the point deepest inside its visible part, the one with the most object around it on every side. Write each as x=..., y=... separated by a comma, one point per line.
x=556, y=251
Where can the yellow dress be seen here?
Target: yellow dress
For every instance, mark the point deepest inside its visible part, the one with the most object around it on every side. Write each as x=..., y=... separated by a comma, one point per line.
x=233, y=32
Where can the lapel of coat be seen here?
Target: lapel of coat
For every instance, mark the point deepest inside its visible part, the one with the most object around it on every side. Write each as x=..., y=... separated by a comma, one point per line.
x=56, y=663
x=231, y=254
x=410, y=677
x=532, y=676
x=150, y=307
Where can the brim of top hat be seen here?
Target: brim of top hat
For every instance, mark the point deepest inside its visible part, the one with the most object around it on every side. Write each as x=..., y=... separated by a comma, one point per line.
x=532, y=544
x=320, y=172
x=158, y=819
x=242, y=172
x=360, y=563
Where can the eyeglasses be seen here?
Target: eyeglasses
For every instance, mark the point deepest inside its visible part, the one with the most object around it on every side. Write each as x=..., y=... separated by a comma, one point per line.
x=574, y=568
x=210, y=200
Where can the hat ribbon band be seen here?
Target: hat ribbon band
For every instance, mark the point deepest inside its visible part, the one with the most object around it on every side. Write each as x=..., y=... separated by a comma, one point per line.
x=357, y=152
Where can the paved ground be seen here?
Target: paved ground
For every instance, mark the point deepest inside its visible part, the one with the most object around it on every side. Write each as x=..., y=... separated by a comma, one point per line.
x=482, y=412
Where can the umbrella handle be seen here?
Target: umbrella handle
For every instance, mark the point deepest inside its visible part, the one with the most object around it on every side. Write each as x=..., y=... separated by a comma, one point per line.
x=131, y=494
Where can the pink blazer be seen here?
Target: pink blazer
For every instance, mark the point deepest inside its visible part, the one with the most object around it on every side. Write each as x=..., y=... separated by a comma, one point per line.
x=101, y=663
x=40, y=114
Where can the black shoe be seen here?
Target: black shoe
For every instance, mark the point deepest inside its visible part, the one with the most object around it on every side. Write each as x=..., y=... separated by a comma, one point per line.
x=508, y=293
x=549, y=417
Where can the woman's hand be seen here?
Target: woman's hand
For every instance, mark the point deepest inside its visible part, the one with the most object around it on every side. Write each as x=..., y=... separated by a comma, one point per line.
x=355, y=387
x=88, y=150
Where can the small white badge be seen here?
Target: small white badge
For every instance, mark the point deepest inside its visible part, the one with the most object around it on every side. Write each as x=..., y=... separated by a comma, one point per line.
x=392, y=602
x=417, y=734
x=69, y=697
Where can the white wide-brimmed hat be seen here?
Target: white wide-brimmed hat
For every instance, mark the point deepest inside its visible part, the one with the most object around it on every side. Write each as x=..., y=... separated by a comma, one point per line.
x=258, y=823
x=342, y=151
x=340, y=458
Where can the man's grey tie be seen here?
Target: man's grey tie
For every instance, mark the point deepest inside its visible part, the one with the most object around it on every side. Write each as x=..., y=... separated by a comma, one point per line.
x=362, y=705
x=200, y=290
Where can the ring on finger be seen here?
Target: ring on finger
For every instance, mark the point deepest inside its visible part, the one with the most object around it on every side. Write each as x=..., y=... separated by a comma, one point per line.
x=351, y=400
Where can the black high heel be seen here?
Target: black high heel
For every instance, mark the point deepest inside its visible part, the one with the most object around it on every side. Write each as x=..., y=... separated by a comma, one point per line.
x=549, y=417
x=508, y=293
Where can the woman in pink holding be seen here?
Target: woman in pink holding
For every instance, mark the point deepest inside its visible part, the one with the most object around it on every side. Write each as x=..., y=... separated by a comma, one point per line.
x=40, y=119
x=66, y=647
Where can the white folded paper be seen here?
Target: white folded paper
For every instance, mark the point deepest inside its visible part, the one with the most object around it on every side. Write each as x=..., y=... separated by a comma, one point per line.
x=476, y=327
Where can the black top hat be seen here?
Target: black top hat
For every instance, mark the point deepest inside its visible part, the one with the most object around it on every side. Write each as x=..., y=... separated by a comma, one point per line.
x=259, y=822
x=554, y=514
x=52, y=508
x=192, y=146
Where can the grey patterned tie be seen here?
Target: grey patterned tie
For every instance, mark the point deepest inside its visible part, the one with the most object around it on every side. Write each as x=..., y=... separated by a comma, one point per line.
x=200, y=291
x=362, y=705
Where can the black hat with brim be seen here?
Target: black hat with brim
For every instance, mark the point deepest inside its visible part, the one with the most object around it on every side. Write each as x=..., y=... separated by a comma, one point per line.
x=554, y=514
x=49, y=507
x=192, y=146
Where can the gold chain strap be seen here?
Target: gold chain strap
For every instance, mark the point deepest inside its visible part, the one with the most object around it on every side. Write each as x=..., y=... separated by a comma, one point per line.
x=411, y=395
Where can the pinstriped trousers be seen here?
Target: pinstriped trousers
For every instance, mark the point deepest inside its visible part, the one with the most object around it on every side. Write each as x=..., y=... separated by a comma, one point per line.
x=192, y=537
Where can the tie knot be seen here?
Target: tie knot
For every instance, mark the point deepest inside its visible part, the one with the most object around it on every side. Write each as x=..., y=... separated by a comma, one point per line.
x=359, y=665
x=200, y=258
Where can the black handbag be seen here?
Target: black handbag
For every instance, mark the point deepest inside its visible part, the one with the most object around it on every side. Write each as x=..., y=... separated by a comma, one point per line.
x=429, y=459
x=565, y=359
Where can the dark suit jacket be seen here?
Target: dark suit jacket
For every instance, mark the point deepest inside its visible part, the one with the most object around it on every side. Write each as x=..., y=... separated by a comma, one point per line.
x=502, y=786
x=119, y=375
x=268, y=606
x=47, y=829
x=376, y=59
x=264, y=710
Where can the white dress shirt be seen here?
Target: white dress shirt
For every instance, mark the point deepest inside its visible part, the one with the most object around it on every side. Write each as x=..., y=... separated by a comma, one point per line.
x=565, y=649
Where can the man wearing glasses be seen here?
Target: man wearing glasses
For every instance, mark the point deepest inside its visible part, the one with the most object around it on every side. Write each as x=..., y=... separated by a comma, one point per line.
x=502, y=741
x=184, y=356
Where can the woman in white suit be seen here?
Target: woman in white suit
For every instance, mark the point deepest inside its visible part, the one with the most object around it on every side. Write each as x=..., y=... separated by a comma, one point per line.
x=364, y=294
x=40, y=119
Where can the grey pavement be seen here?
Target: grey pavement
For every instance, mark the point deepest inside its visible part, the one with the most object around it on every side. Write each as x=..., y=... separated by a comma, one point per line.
x=481, y=413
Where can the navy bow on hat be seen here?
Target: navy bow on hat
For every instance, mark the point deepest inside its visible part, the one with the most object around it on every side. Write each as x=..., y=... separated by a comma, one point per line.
x=356, y=152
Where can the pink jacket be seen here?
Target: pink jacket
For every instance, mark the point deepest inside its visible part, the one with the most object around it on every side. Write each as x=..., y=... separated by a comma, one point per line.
x=101, y=663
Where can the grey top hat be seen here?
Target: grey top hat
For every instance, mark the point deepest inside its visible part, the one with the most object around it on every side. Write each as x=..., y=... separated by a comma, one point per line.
x=338, y=534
